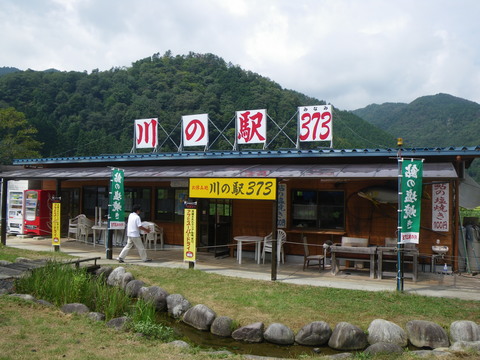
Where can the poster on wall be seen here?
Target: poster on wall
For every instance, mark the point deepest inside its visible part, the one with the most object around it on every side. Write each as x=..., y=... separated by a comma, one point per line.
x=411, y=201
x=146, y=133
x=195, y=130
x=251, y=126
x=315, y=123
x=116, y=204
x=440, y=207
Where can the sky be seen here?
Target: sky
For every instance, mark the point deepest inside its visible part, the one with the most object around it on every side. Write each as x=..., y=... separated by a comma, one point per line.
x=350, y=53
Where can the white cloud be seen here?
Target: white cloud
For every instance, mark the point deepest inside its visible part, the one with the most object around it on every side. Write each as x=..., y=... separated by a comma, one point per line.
x=350, y=53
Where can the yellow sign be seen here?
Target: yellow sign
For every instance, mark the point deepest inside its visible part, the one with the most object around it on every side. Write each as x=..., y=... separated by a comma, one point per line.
x=190, y=235
x=56, y=223
x=233, y=188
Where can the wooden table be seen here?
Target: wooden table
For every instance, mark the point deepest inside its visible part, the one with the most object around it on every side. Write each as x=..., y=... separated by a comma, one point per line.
x=410, y=254
x=349, y=253
x=303, y=231
x=248, y=239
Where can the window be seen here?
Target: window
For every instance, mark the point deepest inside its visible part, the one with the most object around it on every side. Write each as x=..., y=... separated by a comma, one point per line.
x=318, y=209
x=140, y=196
x=94, y=196
x=169, y=204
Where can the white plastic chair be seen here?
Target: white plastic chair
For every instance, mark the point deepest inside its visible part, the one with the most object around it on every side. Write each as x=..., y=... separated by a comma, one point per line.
x=155, y=234
x=267, y=245
x=85, y=228
x=73, y=227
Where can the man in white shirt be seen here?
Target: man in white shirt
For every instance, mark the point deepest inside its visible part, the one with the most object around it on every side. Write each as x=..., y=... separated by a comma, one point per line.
x=134, y=226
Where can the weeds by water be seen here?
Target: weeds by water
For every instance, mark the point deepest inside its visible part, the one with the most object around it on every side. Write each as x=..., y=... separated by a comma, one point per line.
x=62, y=284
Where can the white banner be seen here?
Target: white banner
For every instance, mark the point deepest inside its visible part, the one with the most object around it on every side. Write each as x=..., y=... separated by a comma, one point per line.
x=315, y=123
x=146, y=133
x=251, y=126
x=440, y=207
x=195, y=130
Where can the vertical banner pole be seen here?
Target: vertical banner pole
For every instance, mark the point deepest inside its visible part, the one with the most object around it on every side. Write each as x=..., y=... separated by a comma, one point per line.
x=399, y=227
x=56, y=206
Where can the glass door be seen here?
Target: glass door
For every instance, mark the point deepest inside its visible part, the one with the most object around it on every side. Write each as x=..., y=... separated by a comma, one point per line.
x=215, y=226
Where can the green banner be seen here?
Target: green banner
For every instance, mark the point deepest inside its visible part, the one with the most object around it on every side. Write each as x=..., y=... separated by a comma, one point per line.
x=411, y=201
x=116, y=218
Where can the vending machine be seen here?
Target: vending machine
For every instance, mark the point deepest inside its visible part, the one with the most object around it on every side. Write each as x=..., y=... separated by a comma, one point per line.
x=37, y=214
x=15, y=212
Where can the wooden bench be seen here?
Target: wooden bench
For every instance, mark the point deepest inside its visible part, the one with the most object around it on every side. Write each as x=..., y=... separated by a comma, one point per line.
x=388, y=254
x=78, y=261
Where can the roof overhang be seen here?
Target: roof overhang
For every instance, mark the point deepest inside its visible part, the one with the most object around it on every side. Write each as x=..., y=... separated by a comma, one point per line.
x=312, y=171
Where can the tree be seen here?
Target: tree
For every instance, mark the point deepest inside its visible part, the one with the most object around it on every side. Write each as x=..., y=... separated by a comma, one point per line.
x=16, y=137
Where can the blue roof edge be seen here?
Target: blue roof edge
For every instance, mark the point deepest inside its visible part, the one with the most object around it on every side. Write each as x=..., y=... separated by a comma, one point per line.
x=218, y=154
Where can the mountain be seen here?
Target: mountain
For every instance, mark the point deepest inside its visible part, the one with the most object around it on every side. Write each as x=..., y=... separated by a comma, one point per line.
x=7, y=70
x=429, y=121
x=77, y=113
x=440, y=120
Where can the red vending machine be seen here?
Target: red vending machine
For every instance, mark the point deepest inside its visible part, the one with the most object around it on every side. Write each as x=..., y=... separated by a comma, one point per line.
x=37, y=214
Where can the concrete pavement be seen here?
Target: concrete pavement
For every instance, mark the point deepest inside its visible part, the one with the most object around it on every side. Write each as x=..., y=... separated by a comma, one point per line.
x=461, y=286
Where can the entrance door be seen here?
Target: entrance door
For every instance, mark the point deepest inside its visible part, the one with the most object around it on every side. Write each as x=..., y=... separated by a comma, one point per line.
x=215, y=226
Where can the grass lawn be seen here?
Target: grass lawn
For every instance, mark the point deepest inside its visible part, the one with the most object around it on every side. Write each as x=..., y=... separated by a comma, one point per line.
x=30, y=331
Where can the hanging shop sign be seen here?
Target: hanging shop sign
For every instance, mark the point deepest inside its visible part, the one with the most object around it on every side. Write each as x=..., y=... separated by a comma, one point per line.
x=411, y=200
x=440, y=207
x=116, y=205
x=233, y=188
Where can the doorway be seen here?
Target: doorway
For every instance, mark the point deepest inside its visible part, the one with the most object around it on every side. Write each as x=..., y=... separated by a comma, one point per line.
x=215, y=226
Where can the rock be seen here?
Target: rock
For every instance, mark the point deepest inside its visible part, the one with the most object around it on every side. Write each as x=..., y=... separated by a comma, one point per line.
x=156, y=296
x=23, y=260
x=464, y=330
x=127, y=277
x=45, y=303
x=466, y=346
x=426, y=334
x=5, y=262
x=316, y=333
x=96, y=316
x=103, y=272
x=347, y=337
x=179, y=344
x=200, y=317
x=279, y=334
x=75, y=308
x=222, y=326
x=383, y=348
x=25, y=297
x=383, y=331
x=339, y=356
x=118, y=323
x=177, y=305
x=133, y=287
x=252, y=333
x=116, y=276
x=430, y=354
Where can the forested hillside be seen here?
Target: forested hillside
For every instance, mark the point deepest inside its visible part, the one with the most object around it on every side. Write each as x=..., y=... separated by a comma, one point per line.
x=440, y=120
x=79, y=113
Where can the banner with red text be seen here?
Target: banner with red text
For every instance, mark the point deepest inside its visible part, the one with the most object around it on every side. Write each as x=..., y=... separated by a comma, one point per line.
x=315, y=123
x=146, y=133
x=195, y=130
x=251, y=126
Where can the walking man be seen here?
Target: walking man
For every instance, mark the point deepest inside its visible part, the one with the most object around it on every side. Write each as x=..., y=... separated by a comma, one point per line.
x=134, y=226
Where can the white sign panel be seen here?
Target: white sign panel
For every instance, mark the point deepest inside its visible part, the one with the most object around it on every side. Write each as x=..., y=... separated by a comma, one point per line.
x=315, y=123
x=195, y=130
x=440, y=207
x=146, y=133
x=251, y=126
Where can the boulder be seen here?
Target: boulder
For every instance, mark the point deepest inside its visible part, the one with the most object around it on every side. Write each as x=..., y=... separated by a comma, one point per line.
x=155, y=295
x=383, y=348
x=279, y=334
x=116, y=276
x=222, y=326
x=466, y=346
x=316, y=333
x=5, y=262
x=464, y=330
x=103, y=272
x=180, y=344
x=44, y=303
x=426, y=334
x=177, y=305
x=133, y=287
x=347, y=337
x=75, y=308
x=96, y=316
x=26, y=297
x=126, y=278
x=252, y=333
x=118, y=323
x=383, y=331
x=200, y=317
